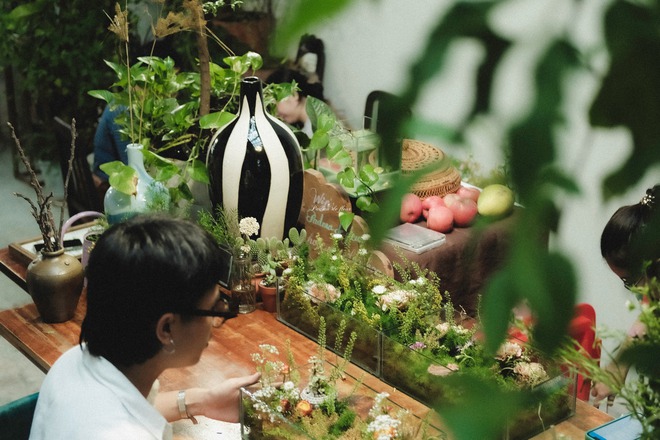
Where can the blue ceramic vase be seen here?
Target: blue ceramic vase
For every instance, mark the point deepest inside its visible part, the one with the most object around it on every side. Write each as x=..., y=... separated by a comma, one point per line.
x=255, y=166
x=150, y=195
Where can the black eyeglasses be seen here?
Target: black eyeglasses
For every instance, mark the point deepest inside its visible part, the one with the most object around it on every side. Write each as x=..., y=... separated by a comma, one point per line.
x=629, y=284
x=222, y=311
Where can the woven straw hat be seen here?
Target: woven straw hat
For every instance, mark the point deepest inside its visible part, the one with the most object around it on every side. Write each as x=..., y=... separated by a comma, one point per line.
x=439, y=182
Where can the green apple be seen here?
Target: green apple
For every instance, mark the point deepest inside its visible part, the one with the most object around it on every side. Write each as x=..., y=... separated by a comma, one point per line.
x=495, y=201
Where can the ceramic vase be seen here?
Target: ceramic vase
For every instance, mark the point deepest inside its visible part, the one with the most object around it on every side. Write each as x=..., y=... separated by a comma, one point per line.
x=255, y=166
x=55, y=282
x=150, y=195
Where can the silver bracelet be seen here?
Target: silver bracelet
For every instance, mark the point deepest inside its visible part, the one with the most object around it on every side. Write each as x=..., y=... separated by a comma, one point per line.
x=183, y=408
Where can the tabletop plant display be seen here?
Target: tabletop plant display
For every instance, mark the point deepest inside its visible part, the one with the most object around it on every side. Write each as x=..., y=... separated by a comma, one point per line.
x=414, y=337
x=308, y=402
x=338, y=284
x=417, y=363
x=54, y=279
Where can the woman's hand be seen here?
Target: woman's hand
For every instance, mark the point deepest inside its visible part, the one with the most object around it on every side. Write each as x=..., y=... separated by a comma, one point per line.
x=221, y=402
x=599, y=392
x=617, y=373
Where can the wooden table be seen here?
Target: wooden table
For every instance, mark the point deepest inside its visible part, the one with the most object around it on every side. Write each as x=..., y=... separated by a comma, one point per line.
x=228, y=353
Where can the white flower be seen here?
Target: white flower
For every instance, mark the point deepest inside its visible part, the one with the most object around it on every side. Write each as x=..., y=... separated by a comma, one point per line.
x=337, y=236
x=461, y=330
x=379, y=290
x=362, y=251
x=397, y=298
x=421, y=281
x=267, y=348
x=443, y=328
x=365, y=237
x=376, y=409
x=384, y=427
x=530, y=373
x=248, y=226
x=509, y=349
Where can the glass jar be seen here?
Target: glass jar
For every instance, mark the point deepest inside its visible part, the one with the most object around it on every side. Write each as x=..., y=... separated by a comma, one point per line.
x=242, y=287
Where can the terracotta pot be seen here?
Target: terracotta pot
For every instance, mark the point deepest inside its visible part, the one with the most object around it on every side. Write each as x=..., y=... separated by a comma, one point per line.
x=55, y=282
x=268, y=297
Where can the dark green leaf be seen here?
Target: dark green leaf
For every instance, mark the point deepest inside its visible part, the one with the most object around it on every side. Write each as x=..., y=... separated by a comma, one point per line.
x=629, y=92
x=345, y=219
x=301, y=14
x=199, y=172
x=481, y=410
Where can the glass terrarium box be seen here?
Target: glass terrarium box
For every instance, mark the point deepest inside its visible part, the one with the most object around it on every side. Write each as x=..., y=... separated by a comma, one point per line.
x=363, y=414
x=419, y=372
x=295, y=313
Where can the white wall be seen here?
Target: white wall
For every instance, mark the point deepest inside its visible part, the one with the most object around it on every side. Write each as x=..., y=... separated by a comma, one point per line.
x=371, y=45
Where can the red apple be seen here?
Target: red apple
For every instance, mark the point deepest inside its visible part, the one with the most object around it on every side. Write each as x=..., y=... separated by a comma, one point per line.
x=430, y=202
x=450, y=199
x=411, y=208
x=464, y=210
x=468, y=192
x=440, y=219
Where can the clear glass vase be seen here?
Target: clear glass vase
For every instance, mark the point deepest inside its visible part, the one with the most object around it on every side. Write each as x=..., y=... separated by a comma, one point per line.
x=242, y=288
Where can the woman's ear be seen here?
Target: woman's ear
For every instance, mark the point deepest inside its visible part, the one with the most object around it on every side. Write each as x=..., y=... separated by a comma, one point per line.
x=164, y=328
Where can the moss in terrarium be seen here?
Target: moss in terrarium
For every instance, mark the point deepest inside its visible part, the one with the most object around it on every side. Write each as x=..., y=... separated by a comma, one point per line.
x=343, y=423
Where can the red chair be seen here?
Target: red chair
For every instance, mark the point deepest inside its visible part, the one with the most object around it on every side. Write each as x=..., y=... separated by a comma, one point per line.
x=583, y=330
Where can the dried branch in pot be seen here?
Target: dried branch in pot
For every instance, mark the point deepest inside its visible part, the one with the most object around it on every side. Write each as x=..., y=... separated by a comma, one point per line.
x=41, y=210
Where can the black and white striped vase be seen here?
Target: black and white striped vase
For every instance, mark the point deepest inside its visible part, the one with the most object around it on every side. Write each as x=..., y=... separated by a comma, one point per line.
x=255, y=166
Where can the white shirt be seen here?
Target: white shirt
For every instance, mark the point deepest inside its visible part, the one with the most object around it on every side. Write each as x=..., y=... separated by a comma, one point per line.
x=85, y=397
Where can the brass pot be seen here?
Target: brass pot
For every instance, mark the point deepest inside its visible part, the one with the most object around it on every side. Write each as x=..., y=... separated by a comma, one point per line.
x=55, y=282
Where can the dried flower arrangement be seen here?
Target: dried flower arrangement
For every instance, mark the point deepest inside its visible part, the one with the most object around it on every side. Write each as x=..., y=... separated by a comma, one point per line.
x=41, y=210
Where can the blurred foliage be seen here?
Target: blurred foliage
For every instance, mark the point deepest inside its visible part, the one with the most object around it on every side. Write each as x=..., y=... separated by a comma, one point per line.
x=628, y=96
x=54, y=67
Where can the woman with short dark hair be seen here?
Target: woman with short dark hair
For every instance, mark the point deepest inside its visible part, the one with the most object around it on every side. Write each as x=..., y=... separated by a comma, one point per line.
x=152, y=300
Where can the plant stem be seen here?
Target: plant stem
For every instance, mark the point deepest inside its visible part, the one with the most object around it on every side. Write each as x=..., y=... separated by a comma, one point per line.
x=204, y=59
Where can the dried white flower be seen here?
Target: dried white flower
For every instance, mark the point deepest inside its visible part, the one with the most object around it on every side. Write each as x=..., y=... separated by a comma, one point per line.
x=248, y=226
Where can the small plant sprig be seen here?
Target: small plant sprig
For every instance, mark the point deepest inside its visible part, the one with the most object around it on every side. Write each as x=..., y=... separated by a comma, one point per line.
x=41, y=210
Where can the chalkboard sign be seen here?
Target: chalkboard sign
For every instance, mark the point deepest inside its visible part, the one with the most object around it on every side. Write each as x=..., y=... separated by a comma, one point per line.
x=321, y=205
